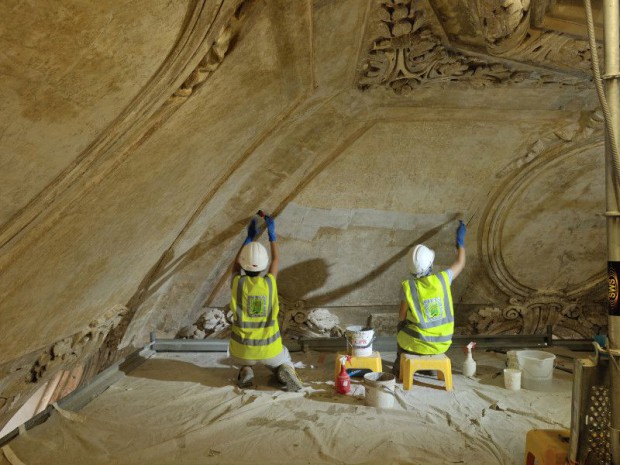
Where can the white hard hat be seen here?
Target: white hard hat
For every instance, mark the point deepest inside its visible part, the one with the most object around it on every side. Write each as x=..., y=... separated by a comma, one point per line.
x=421, y=260
x=253, y=257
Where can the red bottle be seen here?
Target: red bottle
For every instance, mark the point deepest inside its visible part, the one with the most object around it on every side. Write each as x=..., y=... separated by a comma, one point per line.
x=343, y=381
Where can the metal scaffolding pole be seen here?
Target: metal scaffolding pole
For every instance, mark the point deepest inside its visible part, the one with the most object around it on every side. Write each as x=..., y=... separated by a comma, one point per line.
x=612, y=74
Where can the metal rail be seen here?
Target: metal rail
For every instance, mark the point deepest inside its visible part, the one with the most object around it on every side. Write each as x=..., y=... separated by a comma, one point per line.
x=381, y=343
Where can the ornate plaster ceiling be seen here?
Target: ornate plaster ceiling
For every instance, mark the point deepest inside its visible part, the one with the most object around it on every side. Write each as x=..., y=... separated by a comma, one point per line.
x=137, y=142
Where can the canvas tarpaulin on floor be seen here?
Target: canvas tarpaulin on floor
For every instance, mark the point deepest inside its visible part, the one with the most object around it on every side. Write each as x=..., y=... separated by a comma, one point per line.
x=185, y=409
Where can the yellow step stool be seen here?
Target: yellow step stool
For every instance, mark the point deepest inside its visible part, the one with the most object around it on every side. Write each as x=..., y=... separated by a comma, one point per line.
x=409, y=364
x=547, y=446
x=371, y=362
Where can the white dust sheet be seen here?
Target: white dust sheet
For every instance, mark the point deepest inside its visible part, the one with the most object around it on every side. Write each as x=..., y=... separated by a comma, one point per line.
x=184, y=409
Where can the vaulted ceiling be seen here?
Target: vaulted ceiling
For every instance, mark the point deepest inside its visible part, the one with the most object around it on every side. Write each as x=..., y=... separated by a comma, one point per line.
x=137, y=140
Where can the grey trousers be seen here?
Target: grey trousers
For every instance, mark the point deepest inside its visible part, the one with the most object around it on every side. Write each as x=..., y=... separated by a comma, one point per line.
x=273, y=363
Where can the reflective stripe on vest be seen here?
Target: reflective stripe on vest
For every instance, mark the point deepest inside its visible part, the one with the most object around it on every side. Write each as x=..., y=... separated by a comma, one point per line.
x=421, y=323
x=430, y=316
x=422, y=337
x=255, y=331
x=255, y=342
x=268, y=322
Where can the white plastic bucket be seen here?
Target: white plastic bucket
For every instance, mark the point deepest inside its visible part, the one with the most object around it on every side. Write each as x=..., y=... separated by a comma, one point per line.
x=512, y=379
x=537, y=368
x=379, y=389
x=359, y=340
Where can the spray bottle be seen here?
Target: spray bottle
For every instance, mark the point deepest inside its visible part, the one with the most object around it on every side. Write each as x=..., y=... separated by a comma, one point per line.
x=343, y=381
x=469, y=365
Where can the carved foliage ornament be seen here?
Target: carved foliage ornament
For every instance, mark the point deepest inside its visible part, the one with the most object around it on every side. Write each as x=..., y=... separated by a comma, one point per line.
x=407, y=53
x=552, y=49
x=504, y=23
x=216, y=53
x=21, y=377
x=569, y=319
x=507, y=32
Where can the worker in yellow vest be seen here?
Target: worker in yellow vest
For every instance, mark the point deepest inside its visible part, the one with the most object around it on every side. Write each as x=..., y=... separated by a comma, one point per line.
x=255, y=337
x=426, y=319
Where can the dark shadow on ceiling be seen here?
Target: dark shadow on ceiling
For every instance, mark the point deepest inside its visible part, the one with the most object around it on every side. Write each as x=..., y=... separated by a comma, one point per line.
x=299, y=280
x=381, y=269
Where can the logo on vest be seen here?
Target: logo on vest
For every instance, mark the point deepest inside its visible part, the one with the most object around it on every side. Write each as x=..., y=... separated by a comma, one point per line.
x=257, y=306
x=433, y=308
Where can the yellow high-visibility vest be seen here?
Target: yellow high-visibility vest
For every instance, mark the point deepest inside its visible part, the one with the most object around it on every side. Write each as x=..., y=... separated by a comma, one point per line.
x=255, y=330
x=430, y=317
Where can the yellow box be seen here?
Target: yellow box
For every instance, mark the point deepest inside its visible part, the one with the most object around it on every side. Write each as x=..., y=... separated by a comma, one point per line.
x=547, y=446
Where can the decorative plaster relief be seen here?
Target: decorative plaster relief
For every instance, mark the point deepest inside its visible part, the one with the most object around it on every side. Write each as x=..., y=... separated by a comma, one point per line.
x=508, y=34
x=571, y=300
x=296, y=320
x=548, y=153
x=215, y=55
x=568, y=319
x=457, y=18
x=592, y=127
x=505, y=23
x=67, y=352
x=214, y=322
x=503, y=29
x=552, y=49
x=406, y=52
x=20, y=378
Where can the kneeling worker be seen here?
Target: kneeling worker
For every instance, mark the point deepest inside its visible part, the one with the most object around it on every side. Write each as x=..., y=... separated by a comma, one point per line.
x=255, y=334
x=426, y=319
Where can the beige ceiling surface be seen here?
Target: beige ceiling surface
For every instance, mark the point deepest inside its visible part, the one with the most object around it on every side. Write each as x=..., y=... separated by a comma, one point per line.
x=557, y=214
x=108, y=240
x=137, y=140
x=399, y=182
x=68, y=69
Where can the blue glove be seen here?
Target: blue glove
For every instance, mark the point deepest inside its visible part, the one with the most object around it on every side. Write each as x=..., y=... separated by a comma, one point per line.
x=460, y=234
x=251, y=232
x=271, y=228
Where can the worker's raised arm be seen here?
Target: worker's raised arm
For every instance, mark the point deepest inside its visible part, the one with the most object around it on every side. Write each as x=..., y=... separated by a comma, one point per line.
x=236, y=267
x=275, y=259
x=459, y=264
x=275, y=250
